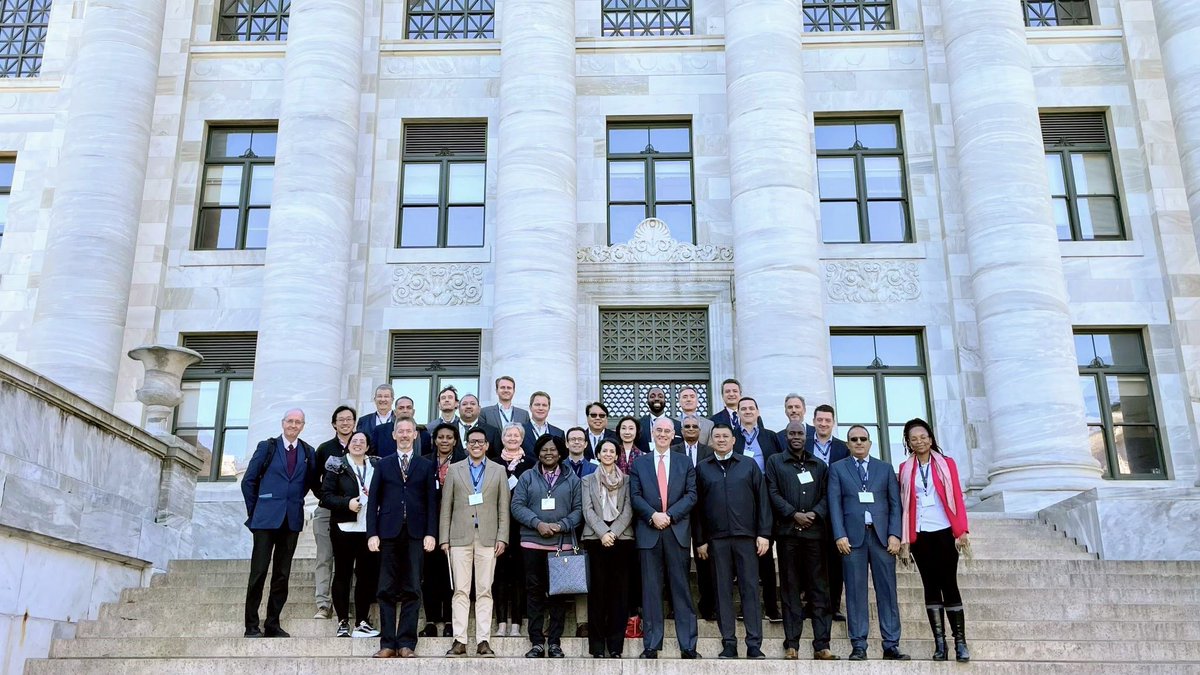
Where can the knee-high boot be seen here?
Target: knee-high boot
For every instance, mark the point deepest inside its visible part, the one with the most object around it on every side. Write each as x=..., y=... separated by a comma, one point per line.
x=958, y=626
x=937, y=623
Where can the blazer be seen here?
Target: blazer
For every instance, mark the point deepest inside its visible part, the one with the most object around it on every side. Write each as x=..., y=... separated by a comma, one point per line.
x=459, y=521
x=339, y=486
x=586, y=467
x=789, y=496
x=492, y=434
x=732, y=502
x=810, y=432
x=491, y=415
x=767, y=442
x=722, y=417
x=396, y=502
x=611, y=435
x=276, y=499
x=366, y=423
x=645, y=441
x=646, y=500
x=838, y=450
x=846, y=512
x=531, y=437
x=706, y=427
x=527, y=498
x=382, y=443
x=702, y=451
x=594, y=526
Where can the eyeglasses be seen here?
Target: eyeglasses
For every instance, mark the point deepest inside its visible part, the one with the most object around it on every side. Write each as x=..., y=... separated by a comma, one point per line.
x=858, y=439
x=597, y=415
x=476, y=441
x=691, y=426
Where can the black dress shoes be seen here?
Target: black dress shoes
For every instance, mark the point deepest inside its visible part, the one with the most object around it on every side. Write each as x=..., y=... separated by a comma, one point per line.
x=649, y=654
x=895, y=655
x=535, y=652
x=429, y=630
x=839, y=617
x=277, y=633
x=755, y=653
x=253, y=632
x=690, y=654
x=555, y=652
x=729, y=652
x=858, y=654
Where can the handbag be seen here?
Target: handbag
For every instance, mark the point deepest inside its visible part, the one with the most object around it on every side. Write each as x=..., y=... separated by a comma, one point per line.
x=568, y=569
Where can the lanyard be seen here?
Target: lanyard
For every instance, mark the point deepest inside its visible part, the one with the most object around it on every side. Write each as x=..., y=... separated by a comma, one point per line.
x=361, y=476
x=751, y=437
x=924, y=471
x=507, y=418
x=477, y=480
x=551, y=479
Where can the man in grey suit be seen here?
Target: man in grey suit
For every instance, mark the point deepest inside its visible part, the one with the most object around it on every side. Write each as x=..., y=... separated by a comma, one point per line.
x=864, y=508
x=689, y=404
x=504, y=413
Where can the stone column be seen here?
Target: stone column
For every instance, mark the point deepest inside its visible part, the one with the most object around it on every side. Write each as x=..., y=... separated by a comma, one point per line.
x=534, y=334
x=782, y=341
x=83, y=292
x=1030, y=376
x=301, y=334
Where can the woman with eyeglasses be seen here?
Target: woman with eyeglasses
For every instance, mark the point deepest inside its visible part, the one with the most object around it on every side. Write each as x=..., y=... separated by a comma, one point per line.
x=508, y=586
x=344, y=491
x=608, y=539
x=435, y=582
x=934, y=530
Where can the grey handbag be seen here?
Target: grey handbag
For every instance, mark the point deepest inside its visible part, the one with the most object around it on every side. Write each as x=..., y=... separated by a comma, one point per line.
x=568, y=569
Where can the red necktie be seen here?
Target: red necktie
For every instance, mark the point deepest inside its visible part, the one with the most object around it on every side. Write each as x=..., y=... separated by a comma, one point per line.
x=662, y=480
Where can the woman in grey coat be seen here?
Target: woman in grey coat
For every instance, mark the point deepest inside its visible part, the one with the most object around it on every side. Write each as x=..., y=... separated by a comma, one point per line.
x=608, y=539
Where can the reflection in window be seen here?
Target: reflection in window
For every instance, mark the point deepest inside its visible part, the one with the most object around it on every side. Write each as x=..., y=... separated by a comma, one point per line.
x=235, y=195
x=253, y=20
x=848, y=15
x=1083, y=184
x=639, y=18
x=880, y=381
x=650, y=176
x=215, y=411
x=1118, y=399
x=7, y=165
x=443, y=185
x=425, y=362
x=1042, y=13
x=861, y=180
x=451, y=20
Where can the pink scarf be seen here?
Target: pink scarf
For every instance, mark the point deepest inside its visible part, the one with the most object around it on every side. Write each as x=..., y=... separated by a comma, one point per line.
x=908, y=473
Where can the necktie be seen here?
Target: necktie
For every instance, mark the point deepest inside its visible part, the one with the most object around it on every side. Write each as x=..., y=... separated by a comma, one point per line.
x=662, y=480
x=404, y=466
x=291, y=459
x=733, y=416
x=862, y=472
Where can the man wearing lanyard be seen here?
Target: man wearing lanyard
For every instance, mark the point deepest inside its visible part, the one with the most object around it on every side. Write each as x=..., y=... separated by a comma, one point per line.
x=504, y=413
x=759, y=443
x=831, y=450
x=537, y=425
x=473, y=531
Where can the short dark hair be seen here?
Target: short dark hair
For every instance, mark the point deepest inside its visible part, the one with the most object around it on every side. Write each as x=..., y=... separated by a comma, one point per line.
x=579, y=429
x=403, y=398
x=476, y=430
x=446, y=425
x=858, y=426
x=722, y=425
x=505, y=377
x=449, y=388
x=341, y=409
x=365, y=438
x=748, y=398
x=542, y=394
x=559, y=444
x=730, y=380
x=595, y=404
x=824, y=407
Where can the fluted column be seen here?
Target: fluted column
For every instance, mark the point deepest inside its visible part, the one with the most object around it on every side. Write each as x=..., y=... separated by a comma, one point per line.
x=535, y=314
x=83, y=293
x=782, y=340
x=1030, y=377
x=301, y=335
x=1178, y=24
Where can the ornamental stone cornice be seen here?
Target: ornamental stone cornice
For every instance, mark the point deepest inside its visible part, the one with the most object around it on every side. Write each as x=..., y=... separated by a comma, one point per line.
x=432, y=285
x=652, y=243
x=872, y=281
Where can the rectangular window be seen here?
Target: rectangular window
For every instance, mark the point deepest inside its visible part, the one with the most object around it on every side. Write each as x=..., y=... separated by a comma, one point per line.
x=23, y=26
x=1042, y=13
x=836, y=16
x=637, y=18
x=235, y=198
x=451, y=20
x=634, y=356
x=443, y=185
x=650, y=176
x=862, y=181
x=7, y=164
x=424, y=363
x=880, y=381
x=253, y=20
x=1118, y=398
x=215, y=412
x=1083, y=183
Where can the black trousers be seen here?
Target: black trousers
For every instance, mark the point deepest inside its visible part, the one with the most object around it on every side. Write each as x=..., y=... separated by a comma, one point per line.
x=608, y=595
x=537, y=582
x=770, y=586
x=508, y=587
x=274, y=549
x=400, y=563
x=707, y=607
x=736, y=556
x=352, y=558
x=435, y=587
x=937, y=561
x=833, y=568
x=805, y=587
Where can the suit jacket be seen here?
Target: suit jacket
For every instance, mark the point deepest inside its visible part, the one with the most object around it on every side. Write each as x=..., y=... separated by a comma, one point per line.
x=722, y=418
x=646, y=499
x=396, y=502
x=767, y=442
x=586, y=467
x=809, y=433
x=366, y=423
x=608, y=433
x=278, y=498
x=838, y=450
x=702, y=451
x=493, y=437
x=594, y=526
x=706, y=427
x=845, y=510
x=645, y=439
x=457, y=524
x=491, y=415
x=382, y=443
x=338, y=487
x=531, y=436
x=730, y=503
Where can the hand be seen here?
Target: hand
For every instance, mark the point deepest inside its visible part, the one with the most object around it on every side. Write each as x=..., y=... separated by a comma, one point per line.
x=893, y=545
x=660, y=520
x=804, y=520
x=843, y=545
x=430, y=544
x=354, y=505
x=446, y=549
x=545, y=529
x=962, y=542
x=608, y=539
x=761, y=546
x=373, y=544
x=500, y=546
x=702, y=551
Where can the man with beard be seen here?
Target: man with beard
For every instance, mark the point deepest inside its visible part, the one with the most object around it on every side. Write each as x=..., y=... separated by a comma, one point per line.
x=382, y=441
x=656, y=401
x=468, y=419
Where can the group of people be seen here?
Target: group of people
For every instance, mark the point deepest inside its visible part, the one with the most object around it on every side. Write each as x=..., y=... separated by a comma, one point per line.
x=475, y=504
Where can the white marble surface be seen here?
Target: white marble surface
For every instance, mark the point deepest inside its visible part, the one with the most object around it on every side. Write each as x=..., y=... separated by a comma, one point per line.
x=1122, y=523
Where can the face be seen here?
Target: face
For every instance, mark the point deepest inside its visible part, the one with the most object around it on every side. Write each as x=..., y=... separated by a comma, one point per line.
x=796, y=435
x=404, y=408
x=722, y=440
x=383, y=401
x=919, y=441
x=576, y=443
x=444, y=440
x=468, y=410
x=343, y=424
x=691, y=430
x=447, y=401
x=597, y=418
x=293, y=424
x=794, y=409
x=689, y=401
x=548, y=456
x=823, y=421
x=505, y=390
x=607, y=455
x=748, y=413
x=357, y=445
x=404, y=433
x=511, y=439
x=656, y=400
x=664, y=433
x=730, y=393
x=477, y=446
x=859, y=442
x=539, y=409
x=627, y=431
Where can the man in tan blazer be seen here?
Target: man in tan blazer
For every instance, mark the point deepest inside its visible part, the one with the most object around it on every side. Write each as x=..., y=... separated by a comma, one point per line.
x=473, y=531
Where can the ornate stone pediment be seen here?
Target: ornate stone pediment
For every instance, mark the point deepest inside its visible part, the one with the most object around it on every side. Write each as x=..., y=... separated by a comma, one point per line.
x=859, y=281
x=652, y=242
x=448, y=285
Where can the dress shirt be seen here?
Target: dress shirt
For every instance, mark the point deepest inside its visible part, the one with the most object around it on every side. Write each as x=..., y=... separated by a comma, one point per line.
x=379, y=421
x=860, y=465
x=930, y=518
x=594, y=440
x=538, y=432
x=660, y=455
x=821, y=450
x=505, y=419
x=691, y=449
x=752, y=449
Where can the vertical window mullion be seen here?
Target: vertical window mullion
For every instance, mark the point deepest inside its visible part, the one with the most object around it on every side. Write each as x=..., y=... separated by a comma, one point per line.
x=244, y=204
x=1110, y=441
x=1064, y=157
x=219, y=428
x=651, y=193
x=881, y=412
x=443, y=203
x=860, y=193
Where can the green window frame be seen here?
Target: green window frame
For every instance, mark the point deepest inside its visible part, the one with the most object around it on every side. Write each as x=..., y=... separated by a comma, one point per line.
x=23, y=26
x=837, y=16
x=1084, y=186
x=450, y=20
x=862, y=180
x=635, y=356
x=253, y=20
x=215, y=411
x=1118, y=396
x=651, y=174
x=236, y=187
x=1052, y=13
x=443, y=185
x=425, y=362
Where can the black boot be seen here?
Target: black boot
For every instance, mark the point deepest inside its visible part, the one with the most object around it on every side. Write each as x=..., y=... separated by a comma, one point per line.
x=958, y=627
x=937, y=623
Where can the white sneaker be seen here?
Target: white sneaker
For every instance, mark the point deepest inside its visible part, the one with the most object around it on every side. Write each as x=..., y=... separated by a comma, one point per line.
x=364, y=630
x=515, y=630
x=502, y=628
x=323, y=613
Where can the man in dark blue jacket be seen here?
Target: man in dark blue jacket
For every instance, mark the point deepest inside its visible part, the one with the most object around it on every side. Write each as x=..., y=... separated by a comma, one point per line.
x=402, y=523
x=281, y=472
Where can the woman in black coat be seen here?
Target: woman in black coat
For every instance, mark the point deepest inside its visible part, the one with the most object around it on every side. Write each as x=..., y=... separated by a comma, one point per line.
x=345, y=493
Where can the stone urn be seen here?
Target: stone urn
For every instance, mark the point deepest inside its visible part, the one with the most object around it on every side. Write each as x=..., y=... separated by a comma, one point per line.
x=161, y=389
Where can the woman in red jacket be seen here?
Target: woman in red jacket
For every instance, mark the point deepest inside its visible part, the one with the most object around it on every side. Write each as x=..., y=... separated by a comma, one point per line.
x=935, y=529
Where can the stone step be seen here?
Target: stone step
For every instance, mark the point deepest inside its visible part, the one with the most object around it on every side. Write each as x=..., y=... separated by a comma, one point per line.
x=981, y=650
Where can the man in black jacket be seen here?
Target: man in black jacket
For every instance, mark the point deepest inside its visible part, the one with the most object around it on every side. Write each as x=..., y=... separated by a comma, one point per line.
x=733, y=525
x=343, y=426
x=796, y=484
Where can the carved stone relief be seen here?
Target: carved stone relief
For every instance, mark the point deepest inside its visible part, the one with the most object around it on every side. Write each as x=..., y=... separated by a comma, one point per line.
x=447, y=285
x=652, y=242
x=862, y=281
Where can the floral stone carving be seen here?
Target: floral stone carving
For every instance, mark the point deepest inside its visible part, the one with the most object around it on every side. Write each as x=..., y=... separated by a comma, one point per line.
x=652, y=242
x=862, y=281
x=448, y=285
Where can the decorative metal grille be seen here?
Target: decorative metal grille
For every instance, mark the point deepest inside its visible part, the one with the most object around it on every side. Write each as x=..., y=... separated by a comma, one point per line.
x=22, y=36
x=655, y=338
x=451, y=20
x=848, y=15
x=1043, y=13
x=629, y=398
x=625, y=18
x=253, y=20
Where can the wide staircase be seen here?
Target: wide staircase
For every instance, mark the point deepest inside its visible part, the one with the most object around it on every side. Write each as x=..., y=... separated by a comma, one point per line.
x=1035, y=602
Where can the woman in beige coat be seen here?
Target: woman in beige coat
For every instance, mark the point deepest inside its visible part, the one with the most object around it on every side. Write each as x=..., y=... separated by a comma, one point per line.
x=608, y=539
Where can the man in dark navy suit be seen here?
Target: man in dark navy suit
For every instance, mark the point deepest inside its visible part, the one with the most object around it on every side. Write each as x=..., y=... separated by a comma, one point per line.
x=281, y=472
x=662, y=490
x=731, y=393
x=597, y=421
x=538, y=424
x=795, y=408
x=759, y=443
x=383, y=441
x=383, y=410
x=656, y=401
x=402, y=523
x=824, y=446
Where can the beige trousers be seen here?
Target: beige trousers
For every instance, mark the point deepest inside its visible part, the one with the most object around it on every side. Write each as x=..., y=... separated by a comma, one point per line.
x=463, y=560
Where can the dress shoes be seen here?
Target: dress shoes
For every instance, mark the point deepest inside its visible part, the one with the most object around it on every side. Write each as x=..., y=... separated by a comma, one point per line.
x=858, y=654
x=581, y=630
x=555, y=652
x=484, y=649
x=755, y=653
x=429, y=630
x=277, y=633
x=774, y=617
x=536, y=652
x=385, y=653
x=690, y=654
x=824, y=655
x=406, y=653
x=648, y=654
x=457, y=649
x=614, y=655
x=448, y=630
x=729, y=652
x=790, y=654
x=253, y=632
x=895, y=655
x=837, y=616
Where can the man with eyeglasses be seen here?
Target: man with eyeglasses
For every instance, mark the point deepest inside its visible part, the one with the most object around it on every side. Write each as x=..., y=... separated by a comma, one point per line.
x=343, y=426
x=864, y=510
x=597, y=421
x=697, y=452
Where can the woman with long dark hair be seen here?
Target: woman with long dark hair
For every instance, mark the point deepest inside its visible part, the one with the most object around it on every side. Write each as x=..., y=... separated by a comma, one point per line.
x=608, y=538
x=628, y=431
x=344, y=491
x=435, y=582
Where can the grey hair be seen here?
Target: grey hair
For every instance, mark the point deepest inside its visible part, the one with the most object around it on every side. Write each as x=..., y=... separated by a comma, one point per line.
x=792, y=396
x=292, y=410
x=518, y=427
x=385, y=387
x=690, y=416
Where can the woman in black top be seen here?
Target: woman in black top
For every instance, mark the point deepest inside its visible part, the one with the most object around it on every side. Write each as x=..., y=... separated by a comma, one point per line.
x=435, y=581
x=344, y=492
x=508, y=586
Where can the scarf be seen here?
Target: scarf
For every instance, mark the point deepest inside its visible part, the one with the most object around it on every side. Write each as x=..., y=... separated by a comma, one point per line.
x=608, y=484
x=908, y=477
x=512, y=459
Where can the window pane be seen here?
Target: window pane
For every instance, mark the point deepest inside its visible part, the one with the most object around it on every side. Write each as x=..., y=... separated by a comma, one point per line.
x=622, y=141
x=835, y=176
x=1137, y=451
x=262, y=180
x=201, y=438
x=671, y=140
x=217, y=229
x=905, y=397
x=237, y=403
x=1130, y=399
x=421, y=183
x=419, y=226
x=418, y=389
x=1084, y=351
x=229, y=142
x=199, y=405
x=235, y=454
x=673, y=181
x=852, y=351
x=883, y=177
x=1062, y=219
x=1098, y=445
x=877, y=136
x=464, y=385
x=263, y=143
x=222, y=185
x=6, y=172
x=896, y=454
x=3, y=212
x=1054, y=170
x=465, y=226
x=678, y=217
x=257, y=221
x=834, y=136
x=855, y=399
x=623, y=220
x=886, y=221
x=839, y=222
x=466, y=183
x=1119, y=349
x=1093, y=173
x=1091, y=399
x=627, y=181
x=1099, y=217
x=897, y=350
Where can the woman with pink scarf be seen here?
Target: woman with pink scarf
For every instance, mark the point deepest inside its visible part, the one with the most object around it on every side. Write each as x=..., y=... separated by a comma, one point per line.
x=934, y=530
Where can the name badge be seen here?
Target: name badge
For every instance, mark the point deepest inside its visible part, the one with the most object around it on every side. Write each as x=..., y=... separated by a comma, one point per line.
x=475, y=499
x=866, y=498
x=926, y=500
x=805, y=477
x=512, y=482
x=596, y=462
x=548, y=504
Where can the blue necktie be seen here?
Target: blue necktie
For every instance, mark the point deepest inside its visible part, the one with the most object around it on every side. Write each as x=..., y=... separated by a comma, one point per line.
x=862, y=472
